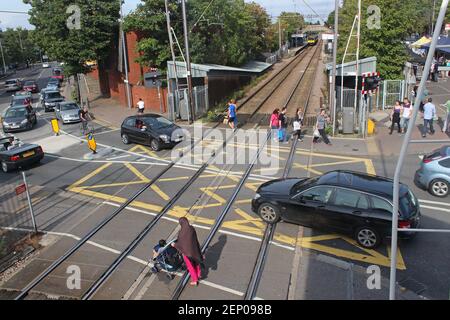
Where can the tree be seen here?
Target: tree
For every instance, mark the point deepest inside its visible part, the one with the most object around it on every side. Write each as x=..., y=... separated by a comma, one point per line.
x=330, y=20
x=61, y=39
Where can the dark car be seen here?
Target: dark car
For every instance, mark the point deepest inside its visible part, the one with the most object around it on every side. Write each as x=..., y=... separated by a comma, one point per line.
x=351, y=203
x=19, y=118
x=50, y=99
x=15, y=154
x=53, y=82
x=20, y=101
x=151, y=129
x=30, y=85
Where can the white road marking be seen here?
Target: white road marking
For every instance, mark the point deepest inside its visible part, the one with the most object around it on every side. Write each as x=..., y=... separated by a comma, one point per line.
x=435, y=208
x=133, y=258
x=119, y=157
x=435, y=202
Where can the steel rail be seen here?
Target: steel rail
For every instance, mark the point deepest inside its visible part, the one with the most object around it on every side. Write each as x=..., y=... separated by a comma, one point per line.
x=270, y=228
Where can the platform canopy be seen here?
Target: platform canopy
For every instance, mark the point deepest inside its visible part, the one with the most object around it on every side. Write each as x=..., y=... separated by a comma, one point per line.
x=349, y=68
x=253, y=68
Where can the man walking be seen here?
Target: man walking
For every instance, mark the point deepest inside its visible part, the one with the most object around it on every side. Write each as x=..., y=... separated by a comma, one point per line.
x=321, y=125
x=282, y=125
x=429, y=112
x=141, y=106
x=232, y=120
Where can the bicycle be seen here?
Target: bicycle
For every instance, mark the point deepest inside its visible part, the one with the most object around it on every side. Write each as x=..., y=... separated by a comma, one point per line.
x=86, y=128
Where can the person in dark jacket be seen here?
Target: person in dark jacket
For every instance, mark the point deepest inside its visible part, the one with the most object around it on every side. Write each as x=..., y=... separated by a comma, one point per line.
x=187, y=244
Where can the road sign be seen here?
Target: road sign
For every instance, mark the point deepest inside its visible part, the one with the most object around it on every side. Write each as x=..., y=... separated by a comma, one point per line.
x=21, y=189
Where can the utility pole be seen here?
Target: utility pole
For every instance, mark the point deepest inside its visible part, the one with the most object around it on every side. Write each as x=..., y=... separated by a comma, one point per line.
x=171, y=46
x=279, y=34
x=432, y=17
x=125, y=58
x=333, y=73
x=3, y=57
x=188, y=61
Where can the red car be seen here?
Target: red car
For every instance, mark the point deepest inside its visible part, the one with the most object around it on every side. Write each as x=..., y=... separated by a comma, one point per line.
x=58, y=74
x=31, y=86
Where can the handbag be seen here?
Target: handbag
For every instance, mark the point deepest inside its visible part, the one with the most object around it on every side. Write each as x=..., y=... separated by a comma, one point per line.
x=297, y=125
x=316, y=133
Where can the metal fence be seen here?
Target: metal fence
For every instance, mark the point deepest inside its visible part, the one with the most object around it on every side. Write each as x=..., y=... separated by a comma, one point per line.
x=179, y=107
x=16, y=221
x=391, y=91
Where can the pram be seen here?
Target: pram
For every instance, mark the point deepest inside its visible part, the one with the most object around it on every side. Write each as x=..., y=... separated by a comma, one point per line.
x=168, y=259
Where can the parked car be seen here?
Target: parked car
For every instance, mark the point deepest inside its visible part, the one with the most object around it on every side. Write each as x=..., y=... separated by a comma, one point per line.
x=50, y=99
x=53, y=82
x=19, y=118
x=13, y=85
x=67, y=112
x=30, y=85
x=346, y=202
x=434, y=172
x=151, y=129
x=15, y=154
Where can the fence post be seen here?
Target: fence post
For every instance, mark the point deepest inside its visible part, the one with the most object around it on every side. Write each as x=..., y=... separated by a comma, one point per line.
x=30, y=205
x=384, y=94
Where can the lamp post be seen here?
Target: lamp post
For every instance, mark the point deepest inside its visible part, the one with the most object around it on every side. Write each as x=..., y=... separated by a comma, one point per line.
x=125, y=58
x=188, y=61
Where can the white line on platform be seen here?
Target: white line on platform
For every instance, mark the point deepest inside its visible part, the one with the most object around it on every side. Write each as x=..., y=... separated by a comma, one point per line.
x=133, y=258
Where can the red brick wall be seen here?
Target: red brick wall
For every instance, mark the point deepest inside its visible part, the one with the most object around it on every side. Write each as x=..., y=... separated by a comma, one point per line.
x=135, y=76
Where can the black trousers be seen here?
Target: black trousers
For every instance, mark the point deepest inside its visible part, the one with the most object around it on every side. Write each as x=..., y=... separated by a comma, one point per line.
x=396, y=120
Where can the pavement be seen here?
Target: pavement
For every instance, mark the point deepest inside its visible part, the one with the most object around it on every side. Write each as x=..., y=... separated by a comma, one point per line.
x=74, y=191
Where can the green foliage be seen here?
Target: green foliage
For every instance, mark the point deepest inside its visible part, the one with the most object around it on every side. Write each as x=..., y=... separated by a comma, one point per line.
x=93, y=41
x=398, y=19
x=18, y=46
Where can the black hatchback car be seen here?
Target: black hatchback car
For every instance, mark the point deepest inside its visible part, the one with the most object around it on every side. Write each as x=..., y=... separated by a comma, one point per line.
x=19, y=118
x=151, y=129
x=346, y=202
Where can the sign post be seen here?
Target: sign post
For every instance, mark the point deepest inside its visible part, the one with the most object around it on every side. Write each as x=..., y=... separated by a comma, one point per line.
x=20, y=189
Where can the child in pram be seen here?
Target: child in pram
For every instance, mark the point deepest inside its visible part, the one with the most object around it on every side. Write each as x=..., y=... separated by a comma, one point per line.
x=167, y=258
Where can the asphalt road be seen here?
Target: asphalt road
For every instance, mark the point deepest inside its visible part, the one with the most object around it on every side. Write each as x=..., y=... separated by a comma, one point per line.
x=73, y=192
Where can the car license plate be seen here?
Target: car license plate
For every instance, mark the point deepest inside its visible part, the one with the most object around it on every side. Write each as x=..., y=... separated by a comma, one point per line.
x=15, y=127
x=179, y=139
x=28, y=154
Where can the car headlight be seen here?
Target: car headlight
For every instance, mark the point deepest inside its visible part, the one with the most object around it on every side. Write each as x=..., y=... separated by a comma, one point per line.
x=5, y=124
x=257, y=196
x=24, y=121
x=164, y=138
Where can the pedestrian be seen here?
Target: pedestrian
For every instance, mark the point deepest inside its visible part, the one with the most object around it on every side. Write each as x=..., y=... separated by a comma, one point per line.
x=274, y=123
x=298, y=123
x=429, y=112
x=446, y=129
x=321, y=124
x=395, y=116
x=141, y=106
x=232, y=117
x=187, y=244
x=282, y=125
x=406, y=115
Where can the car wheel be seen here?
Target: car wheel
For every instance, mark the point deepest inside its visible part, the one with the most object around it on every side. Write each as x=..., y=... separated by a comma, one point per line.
x=155, y=145
x=367, y=237
x=5, y=168
x=439, y=188
x=269, y=213
x=125, y=139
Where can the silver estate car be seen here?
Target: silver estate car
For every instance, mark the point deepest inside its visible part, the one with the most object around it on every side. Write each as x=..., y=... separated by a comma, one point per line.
x=67, y=112
x=434, y=172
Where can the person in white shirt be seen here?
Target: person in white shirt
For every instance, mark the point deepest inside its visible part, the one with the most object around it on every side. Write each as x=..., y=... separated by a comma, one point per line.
x=429, y=112
x=406, y=115
x=141, y=106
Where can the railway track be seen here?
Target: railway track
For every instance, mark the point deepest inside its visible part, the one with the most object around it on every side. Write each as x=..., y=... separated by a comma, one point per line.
x=110, y=270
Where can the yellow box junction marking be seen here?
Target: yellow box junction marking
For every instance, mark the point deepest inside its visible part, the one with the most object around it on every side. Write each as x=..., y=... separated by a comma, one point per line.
x=249, y=224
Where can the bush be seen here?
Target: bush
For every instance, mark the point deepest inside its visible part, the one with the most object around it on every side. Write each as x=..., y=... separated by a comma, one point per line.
x=329, y=130
x=75, y=96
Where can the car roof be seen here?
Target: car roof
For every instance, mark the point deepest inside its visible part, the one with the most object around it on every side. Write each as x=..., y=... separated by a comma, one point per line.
x=147, y=115
x=359, y=181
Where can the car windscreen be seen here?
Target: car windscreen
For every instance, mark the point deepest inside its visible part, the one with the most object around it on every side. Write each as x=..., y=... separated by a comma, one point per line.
x=158, y=122
x=19, y=102
x=16, y=113
x=29, y=83
x=52, y=95
x=408, y=204
x=67, y=107
x=10, y=82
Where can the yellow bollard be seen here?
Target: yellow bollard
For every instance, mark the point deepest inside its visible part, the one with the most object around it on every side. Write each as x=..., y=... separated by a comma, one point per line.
x=91, y=143
x=370, y=127
x=55, y=126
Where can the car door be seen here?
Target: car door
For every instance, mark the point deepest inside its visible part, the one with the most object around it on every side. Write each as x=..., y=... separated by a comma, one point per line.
x=346, y=210
x=305, y=206
x=129, y=128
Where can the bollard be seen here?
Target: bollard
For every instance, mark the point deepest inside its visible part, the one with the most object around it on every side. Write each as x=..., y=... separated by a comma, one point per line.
x=91, y=143
x=55, y=126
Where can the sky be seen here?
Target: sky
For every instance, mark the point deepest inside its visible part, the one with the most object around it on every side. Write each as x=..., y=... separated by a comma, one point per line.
x=274, y=8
